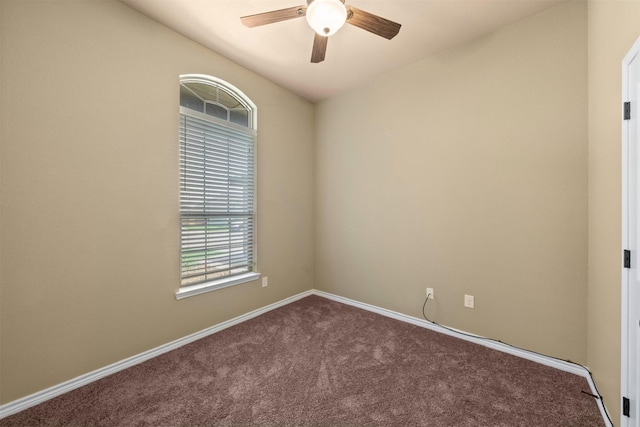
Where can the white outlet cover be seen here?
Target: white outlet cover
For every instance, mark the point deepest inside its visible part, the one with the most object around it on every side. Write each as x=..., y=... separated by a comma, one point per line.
x=469, y=301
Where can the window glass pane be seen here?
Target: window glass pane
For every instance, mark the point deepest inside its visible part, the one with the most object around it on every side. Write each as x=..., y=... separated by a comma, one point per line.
x=227, y=100
x=204, y=91
x=218, y=111
x=189, y=100
x=240, y=117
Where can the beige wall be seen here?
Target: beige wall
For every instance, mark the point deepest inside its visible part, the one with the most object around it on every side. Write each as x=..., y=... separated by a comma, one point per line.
x=613, y=28
x=467, y=173
x=89, y=187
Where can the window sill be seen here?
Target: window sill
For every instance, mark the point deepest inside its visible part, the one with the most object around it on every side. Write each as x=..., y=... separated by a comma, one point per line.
x=201, y=288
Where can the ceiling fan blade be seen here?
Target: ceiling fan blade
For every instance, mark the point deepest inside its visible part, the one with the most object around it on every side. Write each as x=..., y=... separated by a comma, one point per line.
x=319, y=48
x=372, y=23
x=273, y=16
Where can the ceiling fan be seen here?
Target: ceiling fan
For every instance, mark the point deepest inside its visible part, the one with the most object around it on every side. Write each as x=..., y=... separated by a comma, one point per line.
x=326, y=17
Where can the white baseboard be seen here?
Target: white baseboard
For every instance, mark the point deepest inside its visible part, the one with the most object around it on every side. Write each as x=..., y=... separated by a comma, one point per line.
x=49, y=393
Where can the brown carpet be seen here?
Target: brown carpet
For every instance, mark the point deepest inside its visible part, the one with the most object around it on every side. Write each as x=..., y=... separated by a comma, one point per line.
x=317, y=362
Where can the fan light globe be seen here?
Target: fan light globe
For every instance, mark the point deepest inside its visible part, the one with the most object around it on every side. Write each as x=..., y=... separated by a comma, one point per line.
x=326, y=16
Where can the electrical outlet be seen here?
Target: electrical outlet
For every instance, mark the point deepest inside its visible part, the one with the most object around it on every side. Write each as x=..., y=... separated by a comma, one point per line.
x=469, y=301
x=265, y=282
x=430, y=293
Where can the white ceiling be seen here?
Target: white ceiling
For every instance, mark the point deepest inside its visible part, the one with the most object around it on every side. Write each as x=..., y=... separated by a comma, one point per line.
x=281, y=51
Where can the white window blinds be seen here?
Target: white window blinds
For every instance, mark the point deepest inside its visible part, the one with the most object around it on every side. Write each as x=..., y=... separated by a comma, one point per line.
x=216, y=198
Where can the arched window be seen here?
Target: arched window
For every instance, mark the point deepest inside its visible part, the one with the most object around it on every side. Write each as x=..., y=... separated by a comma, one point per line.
x=217, y=182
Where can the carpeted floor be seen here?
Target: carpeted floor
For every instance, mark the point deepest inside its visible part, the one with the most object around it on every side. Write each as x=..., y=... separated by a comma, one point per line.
x=317, y=362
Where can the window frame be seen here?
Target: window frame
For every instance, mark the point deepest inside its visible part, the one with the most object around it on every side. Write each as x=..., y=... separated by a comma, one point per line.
x=238, y=278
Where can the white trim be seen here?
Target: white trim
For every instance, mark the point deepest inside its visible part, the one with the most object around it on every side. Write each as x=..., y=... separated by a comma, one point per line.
x=624, y=329
x=624, y=274
x=42, y=396
x=82, y=380
x=218, y=121
x=201, y=288
x=476, y=339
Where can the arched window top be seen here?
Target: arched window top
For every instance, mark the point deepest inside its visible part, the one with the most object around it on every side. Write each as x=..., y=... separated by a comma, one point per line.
x=217, y=98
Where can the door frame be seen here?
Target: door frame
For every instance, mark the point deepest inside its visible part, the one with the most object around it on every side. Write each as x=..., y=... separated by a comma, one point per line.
x=624, y=352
